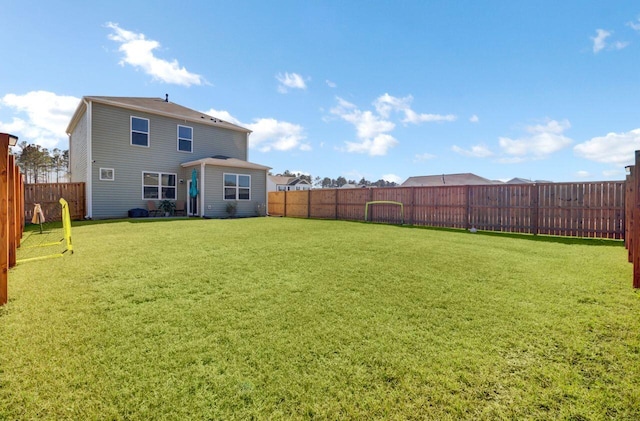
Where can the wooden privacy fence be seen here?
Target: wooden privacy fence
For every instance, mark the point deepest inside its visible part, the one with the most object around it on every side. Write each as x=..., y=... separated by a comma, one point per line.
x=632, y=221
x=48, y=195
x=11, y=213
x=567, y=209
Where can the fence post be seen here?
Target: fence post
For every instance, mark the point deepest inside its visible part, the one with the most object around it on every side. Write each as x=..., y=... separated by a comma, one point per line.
x=535, y=209
x=635, y=225
x=413, y=203
x=4, y=217
x=467, y=206
x=336, y=203
x=11, y=209
x=285, y=203
x=308, y=204
x=628, y=213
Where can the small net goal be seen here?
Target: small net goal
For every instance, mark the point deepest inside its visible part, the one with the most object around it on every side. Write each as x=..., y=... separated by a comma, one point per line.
x=46, y=240
x=384, y=202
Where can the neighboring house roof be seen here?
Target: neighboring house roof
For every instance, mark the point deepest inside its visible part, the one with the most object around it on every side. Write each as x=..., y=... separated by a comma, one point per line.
x=228, y=162
x=352, y=186
x=464, y=179
x=299, y=181
x=286, y=180
x=518, y=180
x=157, y=106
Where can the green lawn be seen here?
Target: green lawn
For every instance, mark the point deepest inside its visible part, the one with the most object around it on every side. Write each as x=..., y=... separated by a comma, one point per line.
x=287, y=318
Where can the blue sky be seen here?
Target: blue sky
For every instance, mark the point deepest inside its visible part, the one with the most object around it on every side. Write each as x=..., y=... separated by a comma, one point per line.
x=543, y=90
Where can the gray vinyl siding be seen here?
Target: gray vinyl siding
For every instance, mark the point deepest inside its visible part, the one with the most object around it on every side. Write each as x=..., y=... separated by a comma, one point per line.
x=78, y=143
x=214, y=196
x=111, y=148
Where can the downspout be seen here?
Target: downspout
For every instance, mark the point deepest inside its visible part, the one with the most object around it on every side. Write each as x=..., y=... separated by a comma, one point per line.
x=202, y=177
x=89, y=185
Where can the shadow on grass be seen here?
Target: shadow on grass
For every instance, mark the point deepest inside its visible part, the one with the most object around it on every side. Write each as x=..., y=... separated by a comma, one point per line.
x=531, y=237
x=520, y=236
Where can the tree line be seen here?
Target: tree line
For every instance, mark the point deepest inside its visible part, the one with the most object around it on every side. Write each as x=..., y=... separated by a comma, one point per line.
x=41, y=165
x=328, y=183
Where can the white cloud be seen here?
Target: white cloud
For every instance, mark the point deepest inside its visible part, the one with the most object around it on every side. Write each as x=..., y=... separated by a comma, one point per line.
x=477, y=151
x=619, y=45
x=268, y=133
x=474, y=119
x=614, y=173
x=299, y=173
x=423, y=157
x=331, y=84
x=599, y=41
x=386, y=103
x=392, y=178
x=376, y=146
x=583, y=174
x=373, y=128
x=415, y=118
x=370, y=128
x=542, y=140
x=44, y=117
x=290, y=81
x=353, y=175
x=634, y=25
x=223, y=115
x=613, y=148
x=139, y=52
x=368, y=124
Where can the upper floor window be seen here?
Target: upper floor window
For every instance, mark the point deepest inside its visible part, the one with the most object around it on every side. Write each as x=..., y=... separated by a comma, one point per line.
x=185, y=139
x=140, y=131
x=237, y=187
x=157, y=185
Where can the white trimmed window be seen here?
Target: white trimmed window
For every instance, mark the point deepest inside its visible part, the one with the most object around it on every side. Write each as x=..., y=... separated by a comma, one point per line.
x=107, y=174
x=140, y=131
x=157, y=185
x=185, y=138
x=237, y=187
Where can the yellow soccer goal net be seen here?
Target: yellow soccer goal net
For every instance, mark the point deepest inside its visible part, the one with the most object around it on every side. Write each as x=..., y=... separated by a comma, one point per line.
x=46, y=240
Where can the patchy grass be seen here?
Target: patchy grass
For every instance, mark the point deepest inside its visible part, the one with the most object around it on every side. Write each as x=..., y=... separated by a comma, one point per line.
x=297, y=319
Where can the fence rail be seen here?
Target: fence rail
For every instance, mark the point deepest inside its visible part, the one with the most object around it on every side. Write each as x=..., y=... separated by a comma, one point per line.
x=48, y=195
x=594, y=209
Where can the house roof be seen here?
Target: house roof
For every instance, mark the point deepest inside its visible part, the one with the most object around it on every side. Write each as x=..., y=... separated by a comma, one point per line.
x=464, y=179
x=286, y=180
x=156, y=106
x=518, y=180
x=280, y=179
x=228, y=162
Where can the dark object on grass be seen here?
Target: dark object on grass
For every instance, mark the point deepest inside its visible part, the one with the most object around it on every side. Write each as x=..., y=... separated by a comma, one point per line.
x=138, y=213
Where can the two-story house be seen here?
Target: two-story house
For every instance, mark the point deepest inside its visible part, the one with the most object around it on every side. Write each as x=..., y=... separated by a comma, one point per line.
x=130, y=151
